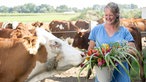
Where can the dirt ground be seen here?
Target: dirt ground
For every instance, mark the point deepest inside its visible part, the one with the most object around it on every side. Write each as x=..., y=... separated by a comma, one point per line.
x=70, y=76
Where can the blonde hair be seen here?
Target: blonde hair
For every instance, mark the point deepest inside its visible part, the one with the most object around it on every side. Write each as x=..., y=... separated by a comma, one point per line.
x=114, y=8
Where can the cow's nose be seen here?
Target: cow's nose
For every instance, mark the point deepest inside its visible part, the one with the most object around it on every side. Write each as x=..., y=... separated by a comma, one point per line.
x=83, y=54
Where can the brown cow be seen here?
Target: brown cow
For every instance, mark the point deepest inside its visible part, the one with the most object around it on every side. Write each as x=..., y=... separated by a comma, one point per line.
x=33, y=26
x=14, y=60
x=5, y=33
x=22, y=59
x=59, y=25
x=82, y=24
x=37, y=24
x=62, y=28
x=1, y=23
x=81, y=40
x=20, y=32
x=9, y=25
x=65, y=30
x=139, y=23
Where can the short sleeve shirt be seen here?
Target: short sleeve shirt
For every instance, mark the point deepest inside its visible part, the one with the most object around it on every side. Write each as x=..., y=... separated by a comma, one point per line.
x=99, y=35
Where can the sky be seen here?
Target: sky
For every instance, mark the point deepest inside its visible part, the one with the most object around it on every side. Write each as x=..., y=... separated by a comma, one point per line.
x=71, y=3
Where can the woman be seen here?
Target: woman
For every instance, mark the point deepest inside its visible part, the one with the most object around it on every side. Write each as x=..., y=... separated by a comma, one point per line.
x=111, y=31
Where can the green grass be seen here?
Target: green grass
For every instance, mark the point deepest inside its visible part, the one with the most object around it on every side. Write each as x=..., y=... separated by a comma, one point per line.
x=32, y=17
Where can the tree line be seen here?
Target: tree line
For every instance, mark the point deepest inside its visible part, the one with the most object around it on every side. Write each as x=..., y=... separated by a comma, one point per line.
x=127, y=10
x=45, y=8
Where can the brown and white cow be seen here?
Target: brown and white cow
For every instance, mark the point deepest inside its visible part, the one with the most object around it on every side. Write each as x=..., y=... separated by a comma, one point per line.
x=65, y=30
x=9, y=25
x=81, y=40
x=81, y=37
x=22, y=59
x=20, y=32
x=37, y=24
x=82, y=24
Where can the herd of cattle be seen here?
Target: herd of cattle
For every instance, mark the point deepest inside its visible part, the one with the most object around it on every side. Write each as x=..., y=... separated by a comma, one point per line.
x=28, y=50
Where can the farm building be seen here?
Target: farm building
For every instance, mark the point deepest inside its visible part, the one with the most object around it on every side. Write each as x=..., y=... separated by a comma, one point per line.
x=144, y=12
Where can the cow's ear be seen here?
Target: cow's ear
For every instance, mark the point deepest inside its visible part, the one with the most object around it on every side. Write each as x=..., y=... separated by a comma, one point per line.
x=41, y=23
x=31, y=45
x=80, y=34
x=32, y=24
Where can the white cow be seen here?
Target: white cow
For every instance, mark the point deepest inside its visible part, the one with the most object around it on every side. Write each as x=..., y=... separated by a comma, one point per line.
x=32, y=59
x=66, y=56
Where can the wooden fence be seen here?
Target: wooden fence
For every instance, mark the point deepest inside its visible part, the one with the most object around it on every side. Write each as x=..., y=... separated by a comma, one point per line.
x=143, y=34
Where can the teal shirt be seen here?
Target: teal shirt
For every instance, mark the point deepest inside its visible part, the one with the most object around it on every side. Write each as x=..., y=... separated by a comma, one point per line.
x=99, y=34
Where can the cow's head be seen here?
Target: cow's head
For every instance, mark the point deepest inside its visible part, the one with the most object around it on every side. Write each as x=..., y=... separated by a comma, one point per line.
x=37, y=24
x=10, y=25
x=81, y=39
x=61, y=56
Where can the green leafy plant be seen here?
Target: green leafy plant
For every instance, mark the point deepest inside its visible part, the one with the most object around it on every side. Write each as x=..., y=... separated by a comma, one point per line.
x=110, y=55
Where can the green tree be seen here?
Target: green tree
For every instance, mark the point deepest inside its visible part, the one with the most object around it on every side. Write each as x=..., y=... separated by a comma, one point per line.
x=44, y=8
x=62, y=8
x=28, y=8
x=4, y=9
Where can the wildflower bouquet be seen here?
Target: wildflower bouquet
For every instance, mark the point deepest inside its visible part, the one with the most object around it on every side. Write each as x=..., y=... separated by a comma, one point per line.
x=110, y=55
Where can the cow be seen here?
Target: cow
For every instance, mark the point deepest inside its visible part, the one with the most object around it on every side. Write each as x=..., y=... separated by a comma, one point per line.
x=59, y=25
x=81, y=40
x=9, y=25
x=82, y=24
x=22, y=59
x=33, y=26
x=40, y=25
x=65, y=30
x=62, y=28
x=5, y=33
x=20, y=32
x=37, y=24
x=139, y=23
x=1, y=23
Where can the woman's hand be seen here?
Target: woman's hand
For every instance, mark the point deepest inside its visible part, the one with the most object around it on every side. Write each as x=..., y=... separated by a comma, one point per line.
x=91, y=45
x=131, y=51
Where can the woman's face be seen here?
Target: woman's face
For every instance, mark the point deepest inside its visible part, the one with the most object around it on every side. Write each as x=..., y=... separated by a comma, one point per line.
x=109, y=16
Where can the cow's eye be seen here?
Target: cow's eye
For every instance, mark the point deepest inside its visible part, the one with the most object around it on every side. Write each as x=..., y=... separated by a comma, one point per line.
x=55, y=44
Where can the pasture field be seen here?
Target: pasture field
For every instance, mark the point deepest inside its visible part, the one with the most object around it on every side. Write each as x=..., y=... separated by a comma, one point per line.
x=32, y=17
